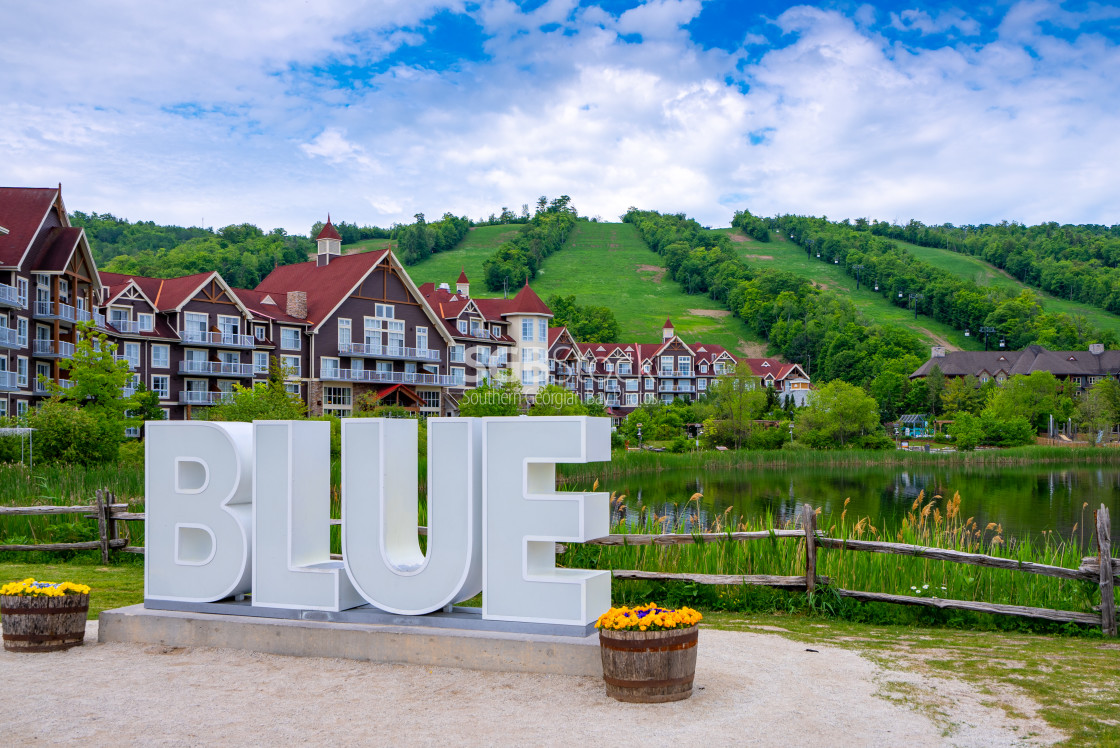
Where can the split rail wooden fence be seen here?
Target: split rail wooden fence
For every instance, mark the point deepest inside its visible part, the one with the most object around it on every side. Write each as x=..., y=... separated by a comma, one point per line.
x=1102, y=568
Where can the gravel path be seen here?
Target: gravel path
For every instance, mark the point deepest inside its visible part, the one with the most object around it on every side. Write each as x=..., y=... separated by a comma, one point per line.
x=752, y=689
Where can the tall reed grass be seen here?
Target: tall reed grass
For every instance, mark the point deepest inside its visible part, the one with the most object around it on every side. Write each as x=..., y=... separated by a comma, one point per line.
x=934, y=522
x=626, y=463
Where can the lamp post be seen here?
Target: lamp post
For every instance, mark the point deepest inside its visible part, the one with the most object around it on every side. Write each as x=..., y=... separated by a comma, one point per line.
x=857, y=268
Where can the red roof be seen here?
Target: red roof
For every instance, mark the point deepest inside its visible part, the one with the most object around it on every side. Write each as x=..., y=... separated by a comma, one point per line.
x=383, y=391
x=58, y=248
x=166, y=293
x=21, y=212
x=277, y=310
x=462, y=277
x=527, y=302
x=326, y=286
x=668, y=324
x=328, y=231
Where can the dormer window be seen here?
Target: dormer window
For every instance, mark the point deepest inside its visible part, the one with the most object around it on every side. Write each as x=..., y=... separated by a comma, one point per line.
x=462, y=326
x=146, y=322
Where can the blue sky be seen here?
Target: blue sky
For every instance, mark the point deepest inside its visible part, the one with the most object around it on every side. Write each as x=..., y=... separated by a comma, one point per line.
x=276, y=112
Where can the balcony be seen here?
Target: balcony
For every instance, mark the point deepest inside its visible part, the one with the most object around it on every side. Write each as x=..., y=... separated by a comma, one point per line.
x=217, y=368
x=127, y=391
x=9, y=298
x=401, y=353
x=41, y=388
x=391, y=377
x=10, y=339
x=53, y=349
x=8, y=381
x=670, y=387
x=127, y=326
x=196, y=397
x=133, y=364
x=219, y=339
x=49, y=310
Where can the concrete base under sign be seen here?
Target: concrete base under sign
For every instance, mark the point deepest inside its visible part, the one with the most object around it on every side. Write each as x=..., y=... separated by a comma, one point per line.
x=411, y=645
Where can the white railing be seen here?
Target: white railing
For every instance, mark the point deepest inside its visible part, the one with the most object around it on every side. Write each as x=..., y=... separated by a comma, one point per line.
x=216, y=367
x=231, y=339
x=132, y=362
x=9, y=338
x=195, y=397
x=47, y=348
x=127, y=326
x=8, y=380
x=392, y=377
x=9, y=296
x=387, y=351
x=64, y=311
x=99, y=319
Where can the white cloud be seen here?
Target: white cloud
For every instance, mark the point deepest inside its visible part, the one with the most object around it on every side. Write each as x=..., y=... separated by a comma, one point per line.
x=184, y=113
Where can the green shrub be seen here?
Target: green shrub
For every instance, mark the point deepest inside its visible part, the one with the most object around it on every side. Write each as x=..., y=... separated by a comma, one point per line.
x=82, y=436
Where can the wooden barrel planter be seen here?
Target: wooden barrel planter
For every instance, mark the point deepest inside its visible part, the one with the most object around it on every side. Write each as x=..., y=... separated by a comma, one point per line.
x=649, y=667
x=43, y=624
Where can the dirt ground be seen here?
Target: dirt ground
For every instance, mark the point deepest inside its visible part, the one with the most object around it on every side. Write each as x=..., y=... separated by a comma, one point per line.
x=751, y=689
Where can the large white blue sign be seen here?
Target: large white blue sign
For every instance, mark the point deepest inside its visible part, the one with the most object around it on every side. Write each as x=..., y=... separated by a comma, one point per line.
x=236, y=508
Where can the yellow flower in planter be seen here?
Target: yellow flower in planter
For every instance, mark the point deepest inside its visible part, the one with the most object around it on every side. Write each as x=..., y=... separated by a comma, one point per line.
x=30, y=588
x=647, y=617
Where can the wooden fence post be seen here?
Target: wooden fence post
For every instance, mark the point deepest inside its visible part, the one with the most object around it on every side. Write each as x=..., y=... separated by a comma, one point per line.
x=103, y=526
x=809, y=523
x=1104, y=553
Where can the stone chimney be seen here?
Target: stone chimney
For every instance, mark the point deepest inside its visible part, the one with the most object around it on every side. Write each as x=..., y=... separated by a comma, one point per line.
x=938, y=351
x=297, y=304
x=1096, y=348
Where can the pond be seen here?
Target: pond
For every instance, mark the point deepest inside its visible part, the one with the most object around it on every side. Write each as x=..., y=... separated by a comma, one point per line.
x=1023, y=500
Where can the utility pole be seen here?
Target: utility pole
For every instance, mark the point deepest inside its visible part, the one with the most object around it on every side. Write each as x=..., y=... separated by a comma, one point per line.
x=857, y=268
x=986, y=331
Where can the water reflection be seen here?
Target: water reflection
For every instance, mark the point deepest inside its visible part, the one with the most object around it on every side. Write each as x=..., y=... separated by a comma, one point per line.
x=1024, y=500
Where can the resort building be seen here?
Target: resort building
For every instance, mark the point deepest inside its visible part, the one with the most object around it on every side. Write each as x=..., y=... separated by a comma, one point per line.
x=1081, y=368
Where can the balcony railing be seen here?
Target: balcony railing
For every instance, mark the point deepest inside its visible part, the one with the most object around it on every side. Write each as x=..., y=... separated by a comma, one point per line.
x=127, y=391
x=218, y=368
x=10, y=339
x=133, y=363
x=53, y=349
x=669, y=387
x=9, y=297
x=8, y=381
x=391, y=377
x=222, y=339
x=388, y=351
x=127, y=326
x=47, y=310
x=195, y=397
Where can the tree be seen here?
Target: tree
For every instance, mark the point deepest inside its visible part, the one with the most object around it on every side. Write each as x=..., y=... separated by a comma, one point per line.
x=587, y=324
x=935, y=385
x=268, y=401
x=144, y=407
x=494, y=398
x=739, y=398
x=1035, y=396
x=835, y=414
x=69, y=434
x=1095, y=411
x=966, y=431
x=557, y=401
x=960, y=395
x=97, y=378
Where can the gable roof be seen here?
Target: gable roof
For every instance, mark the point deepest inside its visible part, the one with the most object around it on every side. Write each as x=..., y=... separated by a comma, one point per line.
x=170, y=294
x=22, y=211
x=326, y=286
x=272, y=306
x=1031, y=359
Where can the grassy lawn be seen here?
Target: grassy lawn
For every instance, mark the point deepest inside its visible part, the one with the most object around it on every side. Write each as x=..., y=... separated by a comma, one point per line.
x=984, y=274
x=605, y=264
x=112, y=586
x=783, y=254
x=1072, y=679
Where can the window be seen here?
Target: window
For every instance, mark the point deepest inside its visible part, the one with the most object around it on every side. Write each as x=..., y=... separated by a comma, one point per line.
x=357, y=366
x=649, y=383
x=118, y=316
x=21, y=371
x=542, y=330
x=631, y=385
x=645, y=368
x=63, y=290
x=458, y=374
x=409, y=367
x=482, y=355
x=608, y=368
x=624, y=368
x=476, y=328
x=146, y=322
x=703, y=368
x=422, y=339
x=21, y=332
x=526, y=377
x=541, y=378
x=701, y=384
x=457, y=353
x=21, y=291
x=343, y=334
x=161, y=385
x=292, y=388
x=161, y=356
x=289, y=339
x=684, y=365
x=430, y=399
x=501, y=357
x=3, y=408
x=462, y=324
x=260, y=332
x=195, y=321
x=132, y=355
x=384, y=311
x=292, y=363
x=396, y=334
x=631, y=399
x=527, y=330
x=336, y=398
x=588, y=383
x=496, y=331
x=21, y=407
x=666, y=365
x=260, y=362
